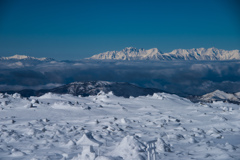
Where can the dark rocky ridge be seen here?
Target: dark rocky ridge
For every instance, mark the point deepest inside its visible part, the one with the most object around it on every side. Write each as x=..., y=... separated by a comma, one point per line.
x=92, y=88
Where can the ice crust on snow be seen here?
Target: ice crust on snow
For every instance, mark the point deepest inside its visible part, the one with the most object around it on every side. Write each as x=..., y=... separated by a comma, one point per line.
x=59, y=126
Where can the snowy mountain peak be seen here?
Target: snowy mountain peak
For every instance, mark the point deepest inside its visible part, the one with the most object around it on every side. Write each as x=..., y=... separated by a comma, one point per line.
x=24, y=57
x=131, y=53
x=154, y=50
x=130, y=49
x=214, y=49
x=19, y=57
x=221, y=96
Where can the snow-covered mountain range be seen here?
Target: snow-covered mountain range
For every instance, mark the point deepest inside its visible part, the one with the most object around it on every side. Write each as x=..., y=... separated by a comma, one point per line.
x=131, y=53
x=24, y=57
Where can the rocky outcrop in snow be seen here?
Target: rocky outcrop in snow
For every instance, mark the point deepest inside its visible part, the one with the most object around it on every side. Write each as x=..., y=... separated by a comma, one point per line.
x=131, y=53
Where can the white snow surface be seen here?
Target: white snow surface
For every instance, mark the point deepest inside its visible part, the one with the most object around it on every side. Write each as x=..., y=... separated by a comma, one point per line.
x=54, y=127
x=131, y=53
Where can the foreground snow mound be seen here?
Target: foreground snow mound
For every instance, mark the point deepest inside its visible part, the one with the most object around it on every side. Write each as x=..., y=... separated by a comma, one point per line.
x=87, y=140
x=130, y=148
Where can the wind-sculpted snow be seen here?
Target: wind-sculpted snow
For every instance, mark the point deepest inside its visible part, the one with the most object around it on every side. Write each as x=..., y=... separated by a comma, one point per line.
x=59, y=126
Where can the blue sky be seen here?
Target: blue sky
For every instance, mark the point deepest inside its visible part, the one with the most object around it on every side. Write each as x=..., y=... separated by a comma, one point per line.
x=64, y=29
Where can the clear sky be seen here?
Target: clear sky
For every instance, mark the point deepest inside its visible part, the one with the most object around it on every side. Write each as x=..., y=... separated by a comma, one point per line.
x=69, y=29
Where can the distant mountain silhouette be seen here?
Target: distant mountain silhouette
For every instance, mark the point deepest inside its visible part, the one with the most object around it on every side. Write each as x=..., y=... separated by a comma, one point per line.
x=93, y=88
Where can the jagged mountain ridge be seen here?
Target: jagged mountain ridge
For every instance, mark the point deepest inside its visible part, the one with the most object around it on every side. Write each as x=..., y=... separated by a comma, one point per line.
x=84, y=89
x=24, y=57
x=123, y=89
x=131, y=53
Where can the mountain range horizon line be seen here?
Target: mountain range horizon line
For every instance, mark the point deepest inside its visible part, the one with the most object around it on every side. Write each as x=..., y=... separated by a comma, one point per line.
x=133, y=53
x=131, y=47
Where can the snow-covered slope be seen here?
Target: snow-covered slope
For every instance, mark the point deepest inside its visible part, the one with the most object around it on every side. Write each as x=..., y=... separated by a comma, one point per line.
x=23, y=57
x=131, y=53
x=61, y=126
x=221, y=96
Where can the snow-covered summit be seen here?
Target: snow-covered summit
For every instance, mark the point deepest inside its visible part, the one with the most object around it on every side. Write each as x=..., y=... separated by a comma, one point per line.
x=131, y=53
x=24, y=57
x=221, y=96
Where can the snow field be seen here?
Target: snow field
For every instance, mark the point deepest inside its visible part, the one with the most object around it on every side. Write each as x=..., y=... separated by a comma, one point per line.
x=51, y=126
